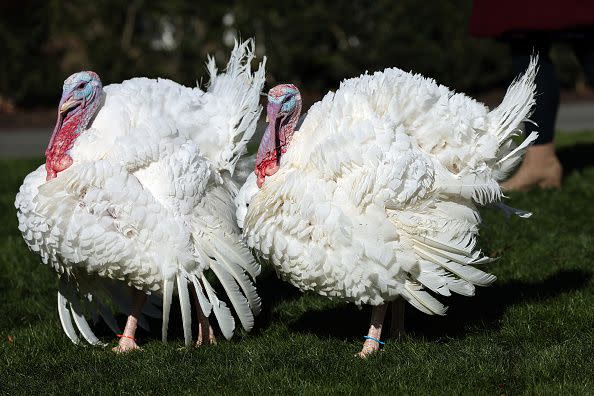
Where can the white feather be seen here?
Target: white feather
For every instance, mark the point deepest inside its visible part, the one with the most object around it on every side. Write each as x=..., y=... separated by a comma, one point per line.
x=83, y=325
x=238, y=300
x=186, y=310
x=205, y=305
x=508, y=210
x=219, y=308
x=234, y=263
x=65, y=318
x=168, y=286
x=424, y=299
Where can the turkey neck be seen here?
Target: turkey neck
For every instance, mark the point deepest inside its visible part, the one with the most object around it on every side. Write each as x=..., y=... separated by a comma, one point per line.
x=284, y=134
x=69, y=126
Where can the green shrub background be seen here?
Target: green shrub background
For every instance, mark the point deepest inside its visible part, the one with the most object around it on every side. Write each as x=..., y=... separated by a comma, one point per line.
x=314, y=44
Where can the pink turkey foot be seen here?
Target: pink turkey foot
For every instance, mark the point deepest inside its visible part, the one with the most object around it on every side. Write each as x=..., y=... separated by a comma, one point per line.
x=397, y=325
x=205, y=332
x=206, y=335
x=370, y=345
x=126, y=345
x=127, y=341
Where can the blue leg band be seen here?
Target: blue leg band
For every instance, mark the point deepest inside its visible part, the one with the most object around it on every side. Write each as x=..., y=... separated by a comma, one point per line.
x=374, y=339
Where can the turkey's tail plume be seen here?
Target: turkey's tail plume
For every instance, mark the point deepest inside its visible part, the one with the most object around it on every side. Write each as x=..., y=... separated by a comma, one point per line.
x=481, y=182
x=507, y=118
x=239, y=91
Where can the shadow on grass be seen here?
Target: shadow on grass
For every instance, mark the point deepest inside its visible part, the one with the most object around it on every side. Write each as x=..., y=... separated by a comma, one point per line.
x=273, y=292
x=576, y=157
x=484, y=310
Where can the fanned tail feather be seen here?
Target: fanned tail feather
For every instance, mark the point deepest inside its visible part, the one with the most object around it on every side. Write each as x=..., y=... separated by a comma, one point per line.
x=168, y=286
x=82, y=324
x=65, y=315
x=440, y=281
x=243, y=89
x=505, y=165
x=470, y=184
x=238, y=300
x=508, y=117
x=69, y=310
x=205, y=305
x=221, y=311
x=422, y=300
x=185, y=307
x=237, y=260
x=516, y=105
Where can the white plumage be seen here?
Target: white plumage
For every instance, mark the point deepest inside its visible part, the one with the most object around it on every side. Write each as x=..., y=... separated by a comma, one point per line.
x=376, y=195
x=148, y=200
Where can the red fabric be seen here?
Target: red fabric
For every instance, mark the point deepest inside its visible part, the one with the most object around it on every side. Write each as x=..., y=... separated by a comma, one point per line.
x=492, y=18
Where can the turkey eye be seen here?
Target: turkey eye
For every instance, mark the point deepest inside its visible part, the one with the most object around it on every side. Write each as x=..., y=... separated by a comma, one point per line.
x=288, y=104
x=81, y=85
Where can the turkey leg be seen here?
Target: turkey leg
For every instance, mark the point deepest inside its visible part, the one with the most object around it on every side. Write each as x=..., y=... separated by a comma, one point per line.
x=375, y=331
x=127, y=341
x=397, y=326
x=205, y=331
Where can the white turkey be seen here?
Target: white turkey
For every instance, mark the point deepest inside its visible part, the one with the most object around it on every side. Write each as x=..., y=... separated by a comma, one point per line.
x=136, y=199
x=374, y=198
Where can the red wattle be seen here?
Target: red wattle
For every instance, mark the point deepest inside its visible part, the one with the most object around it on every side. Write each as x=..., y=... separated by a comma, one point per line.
x=267, y=167
x=56, y=159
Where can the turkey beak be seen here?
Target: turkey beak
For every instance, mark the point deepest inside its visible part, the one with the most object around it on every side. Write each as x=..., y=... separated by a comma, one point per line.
x=68, y=104
x=267, y=156
x=272, y=110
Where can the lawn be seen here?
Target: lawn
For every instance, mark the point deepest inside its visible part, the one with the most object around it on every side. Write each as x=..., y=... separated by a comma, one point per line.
x=532, y=332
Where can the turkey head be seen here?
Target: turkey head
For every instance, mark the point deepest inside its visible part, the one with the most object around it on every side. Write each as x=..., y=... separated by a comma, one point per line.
x=81, y=96
x=282, y=114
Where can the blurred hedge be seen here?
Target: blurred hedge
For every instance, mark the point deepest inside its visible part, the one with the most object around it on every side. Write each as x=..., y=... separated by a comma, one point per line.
x=314, y=44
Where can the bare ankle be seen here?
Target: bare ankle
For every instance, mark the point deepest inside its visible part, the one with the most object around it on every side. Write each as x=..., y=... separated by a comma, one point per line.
x=540, y=168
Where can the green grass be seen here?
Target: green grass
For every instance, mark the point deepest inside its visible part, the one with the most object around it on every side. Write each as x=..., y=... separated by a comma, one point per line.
x=532, y=332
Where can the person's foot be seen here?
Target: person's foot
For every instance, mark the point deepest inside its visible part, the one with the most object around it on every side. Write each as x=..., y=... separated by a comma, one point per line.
x=540, y=168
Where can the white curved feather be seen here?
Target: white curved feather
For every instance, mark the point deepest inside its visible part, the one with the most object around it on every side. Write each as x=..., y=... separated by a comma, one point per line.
x=235, y=264
x=66, y=318
x=221, y=311
x=205, y=305
x=168, y=286
x=424, y=299
x=82, y=324
x=186, y=310
x=238, y=300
